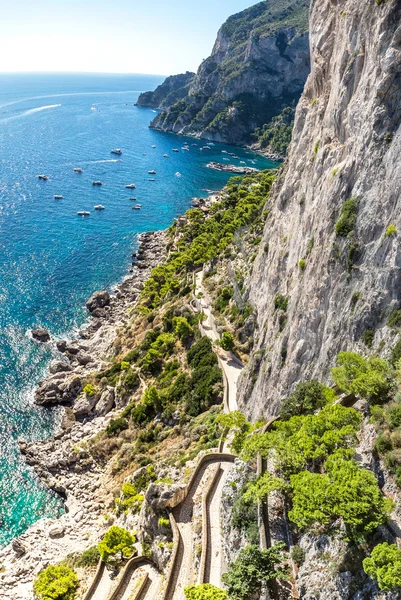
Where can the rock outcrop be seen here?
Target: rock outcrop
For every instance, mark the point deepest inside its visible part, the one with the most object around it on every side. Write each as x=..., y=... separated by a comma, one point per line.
x=173, y=89
x=317, y=290
x=258, y=66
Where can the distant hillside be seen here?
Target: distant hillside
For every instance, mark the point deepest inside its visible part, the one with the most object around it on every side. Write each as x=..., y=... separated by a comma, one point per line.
x=258, y=67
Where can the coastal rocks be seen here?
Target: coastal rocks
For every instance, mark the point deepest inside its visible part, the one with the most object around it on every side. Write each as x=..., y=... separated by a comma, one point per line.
x=106, y=402
x=232, y=168
x=40, y=335
x=160, y=496
x=98, y=300
x=84, y=405
x=18, y=548
x=57, y=389
x=56, y=530
x=59, y=366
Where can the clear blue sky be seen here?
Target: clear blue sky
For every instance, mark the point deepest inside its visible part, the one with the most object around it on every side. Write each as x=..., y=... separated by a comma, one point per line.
x=122, y=36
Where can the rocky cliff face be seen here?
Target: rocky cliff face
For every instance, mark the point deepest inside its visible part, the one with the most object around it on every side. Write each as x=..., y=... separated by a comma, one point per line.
x=317, y=291
x=173, y=89
x=258, y=66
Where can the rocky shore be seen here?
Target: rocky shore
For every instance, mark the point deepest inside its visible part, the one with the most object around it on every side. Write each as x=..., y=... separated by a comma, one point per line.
x=232, y=168
x=61, y=461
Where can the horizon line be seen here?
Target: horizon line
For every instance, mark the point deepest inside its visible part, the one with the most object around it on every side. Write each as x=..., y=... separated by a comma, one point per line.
x=81, y=73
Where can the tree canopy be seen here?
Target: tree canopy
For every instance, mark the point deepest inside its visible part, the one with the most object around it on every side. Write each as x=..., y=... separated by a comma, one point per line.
x=57, y=582
x=384, y=566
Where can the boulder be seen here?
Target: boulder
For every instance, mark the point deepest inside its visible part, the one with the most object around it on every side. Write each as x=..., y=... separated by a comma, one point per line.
x=59, y=366
x=84, y=405
x=106, y=402
x=40, y=335
x=160, y=496
x=18, y=548
x=98, y=300
x=61, y=345
x=56, y=531
x=83, y=358
x=58, y=388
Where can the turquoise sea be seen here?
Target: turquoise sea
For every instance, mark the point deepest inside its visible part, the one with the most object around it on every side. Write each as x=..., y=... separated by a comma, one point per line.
x=51, y=260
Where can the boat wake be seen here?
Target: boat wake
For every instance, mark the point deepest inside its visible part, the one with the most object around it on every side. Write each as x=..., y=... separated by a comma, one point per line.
x=31, y=111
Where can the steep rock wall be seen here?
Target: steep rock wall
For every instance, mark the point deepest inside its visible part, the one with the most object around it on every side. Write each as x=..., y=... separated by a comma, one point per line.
x=346, y=143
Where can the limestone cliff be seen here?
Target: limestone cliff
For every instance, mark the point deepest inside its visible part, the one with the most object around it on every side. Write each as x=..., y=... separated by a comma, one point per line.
x=318, y=289
x=172, y=90
x=258, y=66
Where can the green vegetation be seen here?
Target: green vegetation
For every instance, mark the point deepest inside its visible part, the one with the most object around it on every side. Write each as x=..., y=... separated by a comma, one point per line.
x=227, y=341
x=316, y=147
x=302, y=264
x=307, y=397
x=237, y=423
x=88, y=558
x=391, y=230
x=368, y=337
x=253, y=570
x=370, y=378
x=348, y=216
x=56, y=582
x=205, y=591
x=280, y=302
x=394, y=319
x=276, y=135
x=298, y=555
x=89, y=390
x=245, y=517
x=116, y=426
x=116, y=545
x=384, y=566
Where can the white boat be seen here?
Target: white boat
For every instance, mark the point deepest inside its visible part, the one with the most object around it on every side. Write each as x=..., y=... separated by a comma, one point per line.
x=153, y=146
x=78, y=170
x=152, y=179
x=97, y=183
x=185, y=148
x=132, y=199
x=83, y=213
x=99, y=207
x=152, y=172
x=166, y=156
x=178, y=174
x=206, y=148
x=57, y=197
x=116, y=151
x=175, y=150
x=131, y=186
x=137, y=207
x=43, y=177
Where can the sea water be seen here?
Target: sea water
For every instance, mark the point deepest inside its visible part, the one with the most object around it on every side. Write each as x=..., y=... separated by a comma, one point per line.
x=51, y=260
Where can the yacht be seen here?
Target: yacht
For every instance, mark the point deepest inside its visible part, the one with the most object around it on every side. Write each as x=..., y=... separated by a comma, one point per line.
x=178, y=174
x=175, y=150
x=152, y=172
x=97, y=183
x=132, y=199
x=153, y=146
x=57, y=197
x=152, y=179
x=206, y=148
x=99, y=207
x=137, y=207
x=166, y=156
x=116, y=151
x=130, y=186
x=43, y=177
x=78, y=170
x=83, y=213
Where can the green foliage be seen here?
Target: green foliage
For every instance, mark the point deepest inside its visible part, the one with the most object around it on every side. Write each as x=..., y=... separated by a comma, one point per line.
x=117, y=542
x=368, y=337
x=245, y=517
x=57, y=582
x=163, y=522
x=391, y=230
x=384, y=566
x=182, y=328
x=89, y=390
x=348, y=215
x=260, y=489
x=149, y=406
x=302, y=264
x=316, y=147
x=280, y=302
x=131, y=379
x=224, y=299
x=276, y=135
x=205, y=591
x=306, y=441
x=370, y=378
x=298, y=555
x=235, y=421
x=201, y=354
x=307, y=397
x=394, y=319
x=345, y=491
x=396, y=353
x=116, y=426
x=227, y=341
x=254, y=569
x=88, y=558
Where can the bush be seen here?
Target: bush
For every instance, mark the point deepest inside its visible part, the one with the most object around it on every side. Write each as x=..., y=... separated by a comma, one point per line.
x=394, y=319
x=205, y=591
x=348, y=215
x=227, y=341
x=163, y=522
x=89, y=390
x=370, y=378
x=131, y=379
x=116, y=426
x=383, y=444
x=117, y=542
x=391, y=230
x=236, y=422
x=394, y=415
x=280, y=302
x=201, y=354
x=302, y=264
x=182, y=328
x=298, y=555
x=245, y=518
x=396, y=353
x=384, y=566
x=368, y=337
x=57, y=582
x=252, y=570
x=89, y=558
x=307, y=397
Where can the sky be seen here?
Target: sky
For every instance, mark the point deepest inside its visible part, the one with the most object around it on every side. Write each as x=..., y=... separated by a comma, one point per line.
x=162, y=37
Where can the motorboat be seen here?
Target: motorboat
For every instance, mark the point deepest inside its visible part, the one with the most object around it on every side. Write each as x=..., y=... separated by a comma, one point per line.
x=43, y=177
x=99, y=207
x=78, y=170
x=130, y=186
x=58, y=197
x=206, y=148
x=152, y=172
x=178, y=174
x=152, y=179
x=175, y=150
x=137, y=207
x=116, y=151
x=83, y=213
x=166, y=156
x=153, y=146
x=185, y=148
x=97, y=183
x=132, y=199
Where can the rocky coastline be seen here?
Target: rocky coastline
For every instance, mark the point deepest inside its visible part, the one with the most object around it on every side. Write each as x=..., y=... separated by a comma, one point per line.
x=61, y=461
x=232, y=168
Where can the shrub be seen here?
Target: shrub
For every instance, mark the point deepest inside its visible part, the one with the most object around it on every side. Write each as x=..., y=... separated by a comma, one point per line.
x=394, y=415
x=307, y=397
x=369, y=378
x=182, y=328
x=227, y=341
x=368, y=337
x=302, y=264
x=280, y=302
x=346, y=491
x=89, y=557
x=163, y=522
x=124, y=365
x=205, y=591
x=394, y=319
x=116, y=426
x=348, y=215
x=391, y=230
x=298, y=555
x=117, y=542
x=57, y=582
x=236, y=422
x=131, y=379
x=201, y=354
x=383, y=444
x=384, y=566
x=396, y=353
x=252, y=570
x=245, y=518
x=89, y=390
